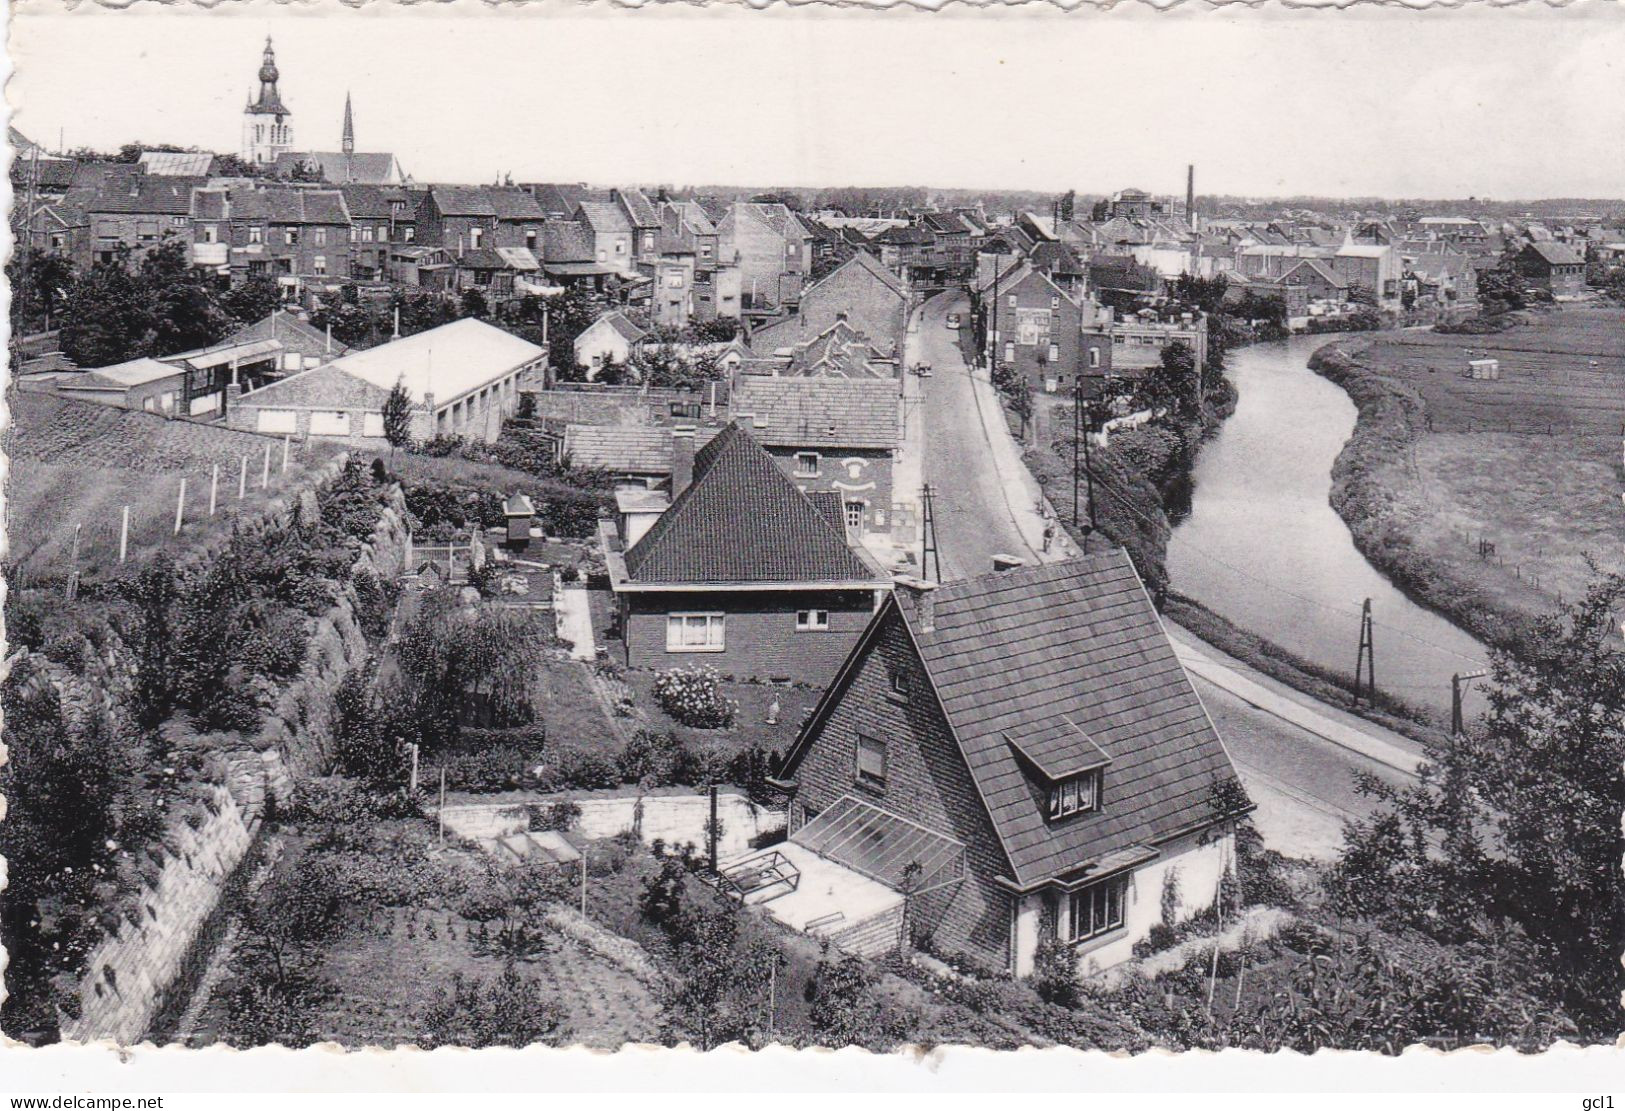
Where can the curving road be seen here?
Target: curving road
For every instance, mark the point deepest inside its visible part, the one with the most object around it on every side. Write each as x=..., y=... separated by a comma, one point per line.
x=1297, y=757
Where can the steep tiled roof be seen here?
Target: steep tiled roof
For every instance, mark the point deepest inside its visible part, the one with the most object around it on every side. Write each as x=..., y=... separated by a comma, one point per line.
x=54, y=173
x=840, y=351
x=603, y=217
x=639, y=211
x=325, y=387
x=1557, y=254
x=374, y=168
x=618, y=320
x=514, y=204
x=742, y=520
x=463, y=200
x=619, y=448
x=1315, y=266
x=373, y=202
x=559, y=200
x=566, y=241
x=1054, y=257
x=1069, y=660
x=139, y=194
x=819, y=412
x=290, y=205
x=288, y=330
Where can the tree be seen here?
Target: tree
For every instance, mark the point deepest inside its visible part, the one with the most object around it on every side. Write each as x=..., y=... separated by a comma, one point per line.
x=108, y=317
x=397, y=417
x=1172, y=384
x=506, y=1010
x=473, y=303
x=40, y=286
x=1518, y=819
x=185, y=311
x=253, y=300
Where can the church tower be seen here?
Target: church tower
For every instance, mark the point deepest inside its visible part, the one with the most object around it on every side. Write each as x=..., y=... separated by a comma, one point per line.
x=349, y=127
x=267, y=131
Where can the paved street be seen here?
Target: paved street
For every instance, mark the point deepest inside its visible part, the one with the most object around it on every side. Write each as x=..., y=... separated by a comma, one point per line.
x=1297, y=757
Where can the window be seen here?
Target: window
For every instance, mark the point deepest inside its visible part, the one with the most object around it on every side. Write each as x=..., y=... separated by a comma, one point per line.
x=899, y=683
x=1096, y=909
x=408, y=234
x=1094, y=356
x=1012, y=300
x=1054, y=353
x=1009, y=352
x=210, y=233
x=476, y=236
x=320, y=237
x=806, y=464
x=871, y=761
x=1074, y=795
x=694, y=632
x=854, y=515
x=366, y=234
x=530, y=240
x=291, y=236
x=812, y=621
x=177, y=221
x=319, y=265
x=1054, y=302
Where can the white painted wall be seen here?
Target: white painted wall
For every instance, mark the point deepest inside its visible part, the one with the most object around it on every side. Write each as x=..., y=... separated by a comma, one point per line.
x=1199, y=867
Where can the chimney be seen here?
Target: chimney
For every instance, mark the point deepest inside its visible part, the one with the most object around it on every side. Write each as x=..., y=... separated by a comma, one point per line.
x=916, y=593
x=682, y=459
x=1190, y=194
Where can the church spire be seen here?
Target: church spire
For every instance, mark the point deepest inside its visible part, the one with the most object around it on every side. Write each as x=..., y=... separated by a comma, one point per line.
x=270, y=100
x=349, y=127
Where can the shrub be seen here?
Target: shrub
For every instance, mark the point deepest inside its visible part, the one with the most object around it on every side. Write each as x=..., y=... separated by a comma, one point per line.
x=1055, y=972
x=577, y=769
x=652, y=758
x=554, y=816
x=693, y=697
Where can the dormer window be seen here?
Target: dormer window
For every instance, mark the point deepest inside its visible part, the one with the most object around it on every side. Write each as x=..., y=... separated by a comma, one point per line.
x=1074, y=795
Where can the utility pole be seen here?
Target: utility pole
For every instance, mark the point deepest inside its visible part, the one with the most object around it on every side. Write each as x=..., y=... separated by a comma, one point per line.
x=1458, y=687
x=930, y=559
x=1366, y=662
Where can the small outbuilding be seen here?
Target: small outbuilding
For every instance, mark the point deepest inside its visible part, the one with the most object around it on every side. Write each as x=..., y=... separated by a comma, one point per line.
x=1488, y=370
x=519, y=512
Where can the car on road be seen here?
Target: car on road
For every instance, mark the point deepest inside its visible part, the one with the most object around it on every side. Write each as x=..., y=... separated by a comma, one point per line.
x=953, y=320
x=923, y=369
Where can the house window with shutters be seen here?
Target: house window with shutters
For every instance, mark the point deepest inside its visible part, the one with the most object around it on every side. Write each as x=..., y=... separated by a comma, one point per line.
x=806, y=464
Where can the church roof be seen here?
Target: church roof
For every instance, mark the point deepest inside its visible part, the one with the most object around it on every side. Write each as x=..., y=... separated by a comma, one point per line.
x=361, y=168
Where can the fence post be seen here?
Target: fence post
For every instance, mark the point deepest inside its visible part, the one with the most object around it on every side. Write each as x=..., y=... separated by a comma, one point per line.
x=180, y=508
x=214, y=487
x=124, y=534
x=73, y=565
x=242, y=479
x=265, y=472
x=285, y=454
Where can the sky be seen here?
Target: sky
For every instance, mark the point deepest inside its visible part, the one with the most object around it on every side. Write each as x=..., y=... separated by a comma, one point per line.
x=1503, y=104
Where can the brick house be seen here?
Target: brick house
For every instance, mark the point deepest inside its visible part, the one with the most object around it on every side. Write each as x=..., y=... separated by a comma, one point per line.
x=1036, y=727
x=772, y=250
x=643, y=217
x=463, y=379
x=829, y=435
x=861, y=292
x=381, y=217
x=611, y=234
x=457, y=217
x=744, y=572
x=1554, y=267
x=135, y=212
x=292, y=234
x=1034, y=327
x=1311, y=279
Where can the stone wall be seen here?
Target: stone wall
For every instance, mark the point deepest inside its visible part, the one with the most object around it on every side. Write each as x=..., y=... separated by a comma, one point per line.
x=143, y=969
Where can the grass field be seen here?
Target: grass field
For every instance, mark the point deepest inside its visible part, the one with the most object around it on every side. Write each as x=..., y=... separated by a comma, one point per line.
x=1529, y=463
x=78, y=463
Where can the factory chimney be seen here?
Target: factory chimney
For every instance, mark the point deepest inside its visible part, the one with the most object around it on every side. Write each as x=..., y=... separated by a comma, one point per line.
x=1190, y=195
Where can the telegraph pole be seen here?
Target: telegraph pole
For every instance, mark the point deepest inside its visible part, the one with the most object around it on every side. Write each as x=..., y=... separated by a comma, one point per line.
x=1366, y=662
x=1458, y=687
x=930, y=560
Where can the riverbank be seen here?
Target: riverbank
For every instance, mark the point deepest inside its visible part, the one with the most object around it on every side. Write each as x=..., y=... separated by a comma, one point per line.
x=1483, y=500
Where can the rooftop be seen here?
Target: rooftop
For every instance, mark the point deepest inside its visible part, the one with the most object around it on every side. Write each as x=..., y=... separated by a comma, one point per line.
x=819, y=412
x=447, y=362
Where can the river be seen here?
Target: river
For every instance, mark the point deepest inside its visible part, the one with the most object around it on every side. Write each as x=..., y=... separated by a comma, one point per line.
x=1261, y=544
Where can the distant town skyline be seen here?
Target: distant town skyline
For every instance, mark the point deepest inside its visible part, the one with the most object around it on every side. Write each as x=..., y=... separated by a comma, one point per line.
x=1336, y=105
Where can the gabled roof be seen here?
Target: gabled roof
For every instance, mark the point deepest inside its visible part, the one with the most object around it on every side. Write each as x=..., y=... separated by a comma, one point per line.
x=819, y=412
x=632, y=449
x=775, y=215
x=1071, y=661
x=53, y=173
x=376, y=202
x=448, y=362
x=1054, y=257
x=1320, y=269
x=618, y=320
x=861, y=260
x=640, y=212
x=324, y=387
x=289, y=205
x=288, y=330
x=514, y=204
x=463, y=200
x=1556, y=254
x=742, y=520
x=338, y=168
x=604, y=218
x=140, y=195
x=560, y=200
x=566, y=241
x=840, y=351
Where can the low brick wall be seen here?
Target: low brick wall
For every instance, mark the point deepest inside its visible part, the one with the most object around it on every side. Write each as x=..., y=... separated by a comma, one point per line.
x=872, y=937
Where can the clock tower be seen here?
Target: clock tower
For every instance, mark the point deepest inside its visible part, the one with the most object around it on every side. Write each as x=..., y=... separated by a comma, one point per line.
x=267, y=131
